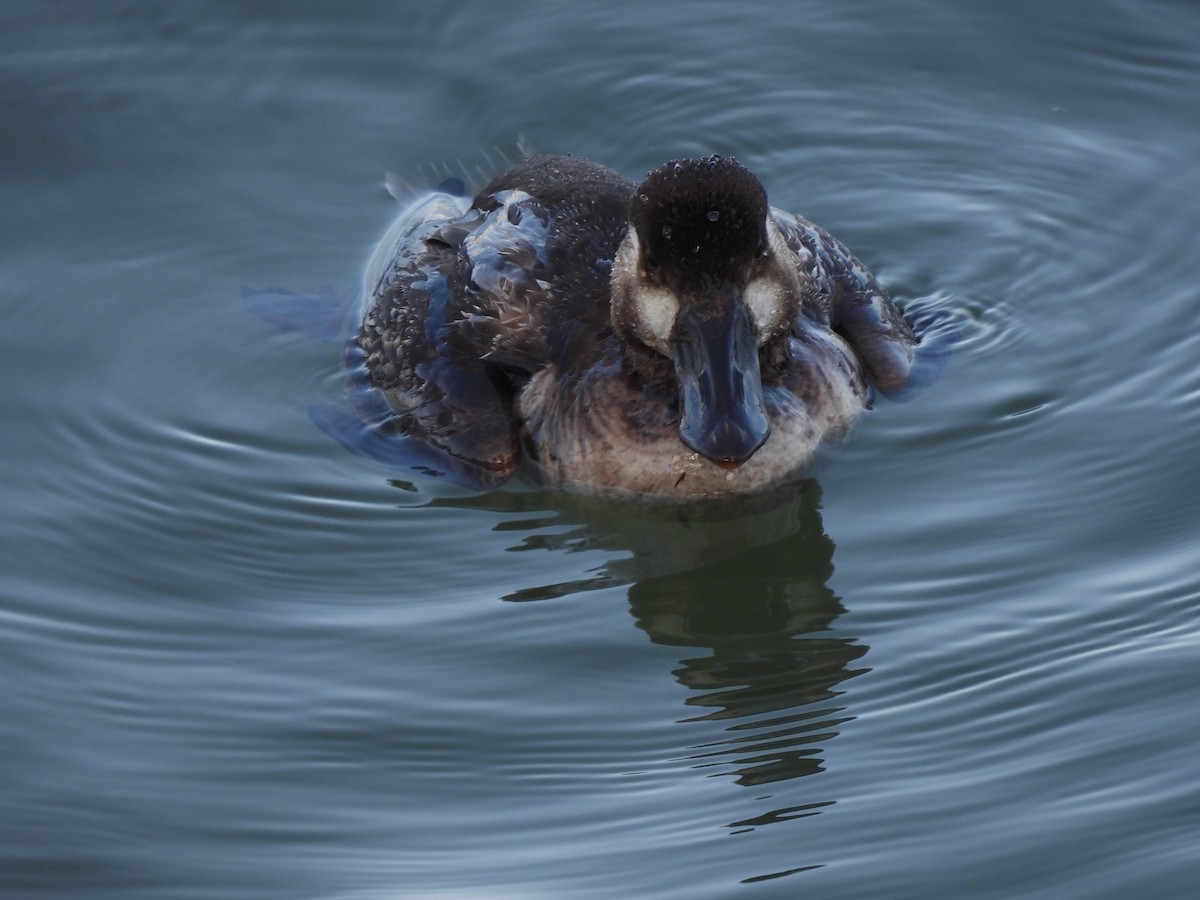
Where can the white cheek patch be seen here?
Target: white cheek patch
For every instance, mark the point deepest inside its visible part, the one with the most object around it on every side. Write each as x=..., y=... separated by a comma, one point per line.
x=766, y=305
x=766, y=296
x=648, y=310
x=657, y=310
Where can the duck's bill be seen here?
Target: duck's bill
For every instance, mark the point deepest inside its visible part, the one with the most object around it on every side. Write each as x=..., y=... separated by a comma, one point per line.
x=720, y=388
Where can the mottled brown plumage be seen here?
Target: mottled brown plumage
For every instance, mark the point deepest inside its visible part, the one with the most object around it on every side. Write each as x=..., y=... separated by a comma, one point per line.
x=674, y=339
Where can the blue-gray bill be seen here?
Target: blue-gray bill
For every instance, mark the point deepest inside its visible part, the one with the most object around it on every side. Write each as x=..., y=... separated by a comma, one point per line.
x=722, y=415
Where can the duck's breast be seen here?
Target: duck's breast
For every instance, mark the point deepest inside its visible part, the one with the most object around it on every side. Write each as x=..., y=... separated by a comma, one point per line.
x=598, y=431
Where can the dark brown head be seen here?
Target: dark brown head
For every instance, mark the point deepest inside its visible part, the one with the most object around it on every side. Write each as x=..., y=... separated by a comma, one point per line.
x=699, y=280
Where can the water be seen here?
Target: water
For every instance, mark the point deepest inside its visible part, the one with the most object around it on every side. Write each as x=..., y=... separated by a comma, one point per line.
x=239, y=661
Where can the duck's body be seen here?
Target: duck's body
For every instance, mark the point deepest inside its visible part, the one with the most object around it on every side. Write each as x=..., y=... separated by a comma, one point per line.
x=677, y=339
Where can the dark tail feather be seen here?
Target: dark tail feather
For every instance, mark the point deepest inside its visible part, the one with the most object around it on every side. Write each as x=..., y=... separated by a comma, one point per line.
x=320, y=317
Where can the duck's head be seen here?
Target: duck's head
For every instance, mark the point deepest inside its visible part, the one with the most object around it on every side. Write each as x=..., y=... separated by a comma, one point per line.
x=700, y=278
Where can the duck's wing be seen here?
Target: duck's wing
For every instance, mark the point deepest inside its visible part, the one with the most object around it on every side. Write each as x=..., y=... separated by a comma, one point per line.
x=500, y=299
x=857, y=305
x=539, y=261
x=440, y=388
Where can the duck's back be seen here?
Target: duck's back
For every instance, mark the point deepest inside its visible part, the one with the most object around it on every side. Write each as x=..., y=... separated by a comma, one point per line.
x=562, y=180
x=462, y=302
x=585, y=210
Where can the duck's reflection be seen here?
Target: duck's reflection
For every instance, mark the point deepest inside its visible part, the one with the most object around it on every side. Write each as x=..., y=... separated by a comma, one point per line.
x=748, y=592
x=764, y=618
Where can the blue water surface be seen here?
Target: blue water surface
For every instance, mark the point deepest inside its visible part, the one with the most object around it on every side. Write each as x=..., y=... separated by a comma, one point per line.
x=241, y=662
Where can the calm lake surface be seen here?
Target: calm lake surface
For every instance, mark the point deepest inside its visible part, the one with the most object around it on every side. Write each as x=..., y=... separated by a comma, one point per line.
x=239, y=661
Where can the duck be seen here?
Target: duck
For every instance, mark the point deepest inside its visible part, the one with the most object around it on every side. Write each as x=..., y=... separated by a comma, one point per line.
x=672, y=339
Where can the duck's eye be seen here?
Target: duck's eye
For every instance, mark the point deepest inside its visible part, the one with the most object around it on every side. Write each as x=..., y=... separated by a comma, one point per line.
x=649, y=262
x=762, y=252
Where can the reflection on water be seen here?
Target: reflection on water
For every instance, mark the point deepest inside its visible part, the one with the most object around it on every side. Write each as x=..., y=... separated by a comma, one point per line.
x=745, y=586
x=760, y=619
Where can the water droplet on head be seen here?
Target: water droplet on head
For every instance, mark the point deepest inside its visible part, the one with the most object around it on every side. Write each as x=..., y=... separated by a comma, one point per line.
x=666, y=232
x=713, y=215
x=678, y=168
